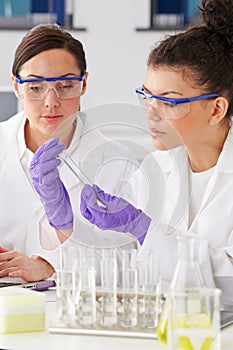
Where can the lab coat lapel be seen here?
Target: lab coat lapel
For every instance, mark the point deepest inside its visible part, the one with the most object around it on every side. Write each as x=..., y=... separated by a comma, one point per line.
x=85, y=153
x=222, y=172
x=12, y=171
x=177, y=188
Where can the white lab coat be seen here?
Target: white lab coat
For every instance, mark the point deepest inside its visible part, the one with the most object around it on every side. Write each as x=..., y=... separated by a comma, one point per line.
x=161, y=188
x=23, y=225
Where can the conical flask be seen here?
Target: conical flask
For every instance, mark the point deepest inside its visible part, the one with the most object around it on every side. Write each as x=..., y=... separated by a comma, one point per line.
x=187, y=274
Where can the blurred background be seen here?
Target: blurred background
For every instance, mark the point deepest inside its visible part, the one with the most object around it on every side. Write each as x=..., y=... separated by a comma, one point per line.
x=117, y=37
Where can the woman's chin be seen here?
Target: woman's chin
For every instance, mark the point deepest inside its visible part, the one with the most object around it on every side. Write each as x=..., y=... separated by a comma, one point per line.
x=158, y=144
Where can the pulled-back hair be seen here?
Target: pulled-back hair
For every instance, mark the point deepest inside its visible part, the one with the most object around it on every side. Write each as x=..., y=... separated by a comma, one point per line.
x=205, y=51
x=46, y=37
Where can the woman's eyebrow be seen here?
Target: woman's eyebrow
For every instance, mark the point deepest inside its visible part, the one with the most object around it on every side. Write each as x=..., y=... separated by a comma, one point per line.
x=146, y=90
x=40, y=77
x=162, y=94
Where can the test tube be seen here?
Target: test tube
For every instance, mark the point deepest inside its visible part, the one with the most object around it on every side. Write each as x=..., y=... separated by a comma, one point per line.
x=129, y=288
x=74, y=168
x=108, y=300
x=86, y=312
x=68, y=284
x=151, y=290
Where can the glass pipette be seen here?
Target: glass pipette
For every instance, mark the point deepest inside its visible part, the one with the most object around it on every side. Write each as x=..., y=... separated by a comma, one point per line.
x=76, y=170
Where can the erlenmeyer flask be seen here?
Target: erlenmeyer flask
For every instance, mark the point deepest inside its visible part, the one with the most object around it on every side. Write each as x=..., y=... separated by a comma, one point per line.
x=187, y=274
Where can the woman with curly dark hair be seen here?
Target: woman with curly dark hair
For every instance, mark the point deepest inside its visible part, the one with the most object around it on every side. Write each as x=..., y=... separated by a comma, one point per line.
x=188, y=96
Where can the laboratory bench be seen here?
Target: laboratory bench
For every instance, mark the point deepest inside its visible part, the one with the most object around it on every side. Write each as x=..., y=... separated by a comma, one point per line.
x=46, y=340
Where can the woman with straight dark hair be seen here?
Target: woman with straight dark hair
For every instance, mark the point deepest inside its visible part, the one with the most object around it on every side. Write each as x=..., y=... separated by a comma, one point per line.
x=49, y=75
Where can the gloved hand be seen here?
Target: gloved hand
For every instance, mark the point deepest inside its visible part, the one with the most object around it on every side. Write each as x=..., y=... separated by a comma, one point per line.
x=117, y=214
x=46, y=180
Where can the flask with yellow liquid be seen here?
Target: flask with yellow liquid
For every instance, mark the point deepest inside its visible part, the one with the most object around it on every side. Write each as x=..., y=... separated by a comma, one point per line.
x=187, y=274
x=194, y=319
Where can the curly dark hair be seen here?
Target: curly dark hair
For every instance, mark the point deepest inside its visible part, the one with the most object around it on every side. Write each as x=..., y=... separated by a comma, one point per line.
x=205, y=51
x=46, y=37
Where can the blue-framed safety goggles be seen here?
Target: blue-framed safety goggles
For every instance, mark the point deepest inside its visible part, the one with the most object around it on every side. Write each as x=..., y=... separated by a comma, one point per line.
x=35, y=80
x=175, y=101
x=169, y=108
x=37, y=88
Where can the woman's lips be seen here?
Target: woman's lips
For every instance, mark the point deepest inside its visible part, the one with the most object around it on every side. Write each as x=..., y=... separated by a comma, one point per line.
x=156, y=133
x=51, y=118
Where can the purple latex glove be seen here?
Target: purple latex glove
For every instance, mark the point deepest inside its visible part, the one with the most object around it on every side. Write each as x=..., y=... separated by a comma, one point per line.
x=117, y=214
x=46, y=180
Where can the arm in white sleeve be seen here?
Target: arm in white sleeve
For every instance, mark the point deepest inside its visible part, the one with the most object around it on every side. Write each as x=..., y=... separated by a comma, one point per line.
x=165, y=242
x=222, y=267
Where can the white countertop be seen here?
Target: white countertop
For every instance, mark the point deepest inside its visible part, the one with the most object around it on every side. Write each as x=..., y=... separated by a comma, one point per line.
x=46, y=340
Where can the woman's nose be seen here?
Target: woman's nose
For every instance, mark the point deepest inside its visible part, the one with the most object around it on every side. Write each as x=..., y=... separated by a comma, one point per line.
x=153, y=110
x=51, y=98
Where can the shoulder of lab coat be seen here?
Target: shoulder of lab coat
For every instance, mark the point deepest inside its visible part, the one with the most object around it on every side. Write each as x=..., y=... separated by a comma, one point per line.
x=8, y=132
x=225, y=161
x=146, y=188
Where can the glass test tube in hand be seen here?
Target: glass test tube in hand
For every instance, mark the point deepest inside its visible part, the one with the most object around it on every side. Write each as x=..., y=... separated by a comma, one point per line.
x=75, y=168
x=129, y=288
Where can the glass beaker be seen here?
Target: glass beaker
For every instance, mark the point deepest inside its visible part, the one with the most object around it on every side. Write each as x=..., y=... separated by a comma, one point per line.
x=187, y=274
x=194, y=319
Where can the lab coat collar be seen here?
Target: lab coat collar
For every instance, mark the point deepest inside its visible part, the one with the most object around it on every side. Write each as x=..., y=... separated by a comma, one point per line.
x=168, y=159
x=86, y=138
x=86, y=151
x=12, y=164
x=225, y=161
x=174, y=164
x=89, y=140
x=21, y=137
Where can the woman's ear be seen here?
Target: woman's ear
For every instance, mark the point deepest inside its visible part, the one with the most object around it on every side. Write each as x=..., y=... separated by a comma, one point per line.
x=219, y=111
x=84, y=87
x=16, y=87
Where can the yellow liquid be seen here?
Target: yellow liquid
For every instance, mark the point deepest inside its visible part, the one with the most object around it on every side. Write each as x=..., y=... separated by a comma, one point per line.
x=162, y=325
x=192, y=332
x=162, y=329
x=184, y=343
x=185, y=322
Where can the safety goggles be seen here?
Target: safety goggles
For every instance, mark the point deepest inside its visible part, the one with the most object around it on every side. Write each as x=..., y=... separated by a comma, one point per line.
x=169, y=108
x=37, y=88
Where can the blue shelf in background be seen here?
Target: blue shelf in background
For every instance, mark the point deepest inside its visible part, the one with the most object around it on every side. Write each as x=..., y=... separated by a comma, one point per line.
x=24, y=14
x=172, y=15
x=48, y=6
x=10, y=8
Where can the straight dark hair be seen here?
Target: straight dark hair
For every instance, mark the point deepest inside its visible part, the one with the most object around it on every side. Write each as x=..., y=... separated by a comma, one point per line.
x=46, y=37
